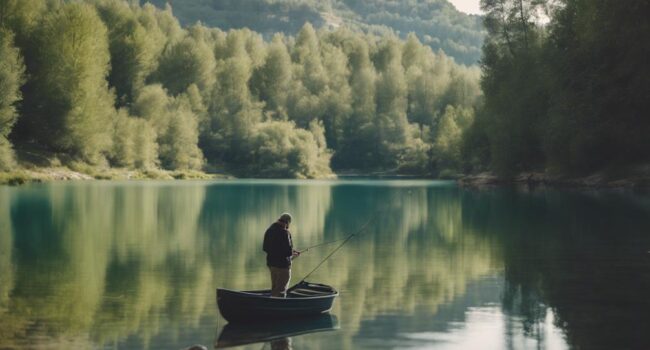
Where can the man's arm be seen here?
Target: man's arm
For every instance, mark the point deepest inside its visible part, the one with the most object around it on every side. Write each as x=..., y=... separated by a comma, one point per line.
x=288, y=248
x=266, y=246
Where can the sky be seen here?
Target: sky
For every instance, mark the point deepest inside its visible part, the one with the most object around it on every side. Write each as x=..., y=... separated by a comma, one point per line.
x=469, y=6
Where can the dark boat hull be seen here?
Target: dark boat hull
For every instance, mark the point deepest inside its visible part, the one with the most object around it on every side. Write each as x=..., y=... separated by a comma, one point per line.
x=237, y=306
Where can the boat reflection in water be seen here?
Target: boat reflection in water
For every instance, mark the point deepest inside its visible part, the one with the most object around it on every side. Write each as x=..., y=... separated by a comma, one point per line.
x=277, y=333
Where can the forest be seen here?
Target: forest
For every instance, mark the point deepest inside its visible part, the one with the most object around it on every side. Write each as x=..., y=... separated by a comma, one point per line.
x=562, y=88
x=436, y=23
x=111, y=83
x=566, y=86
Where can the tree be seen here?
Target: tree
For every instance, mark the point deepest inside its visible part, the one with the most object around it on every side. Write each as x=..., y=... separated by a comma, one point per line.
x=272, y=80
x=359, y=136
x=392, y=125
x=596, y=56
x=513, y=84
x=134, y=49
x=73, y=106
x=21, y=16
x=175, y=126
x=305, y=98
x=279, y=149
x=140, y=91
x=12, y=72
x=187, y=62
x=447, y=144
x=134, y=142
x=336, y=99
x=233, y=111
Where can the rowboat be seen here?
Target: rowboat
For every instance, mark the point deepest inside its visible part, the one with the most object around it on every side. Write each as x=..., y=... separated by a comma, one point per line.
x=303, y=299
x=238, y=334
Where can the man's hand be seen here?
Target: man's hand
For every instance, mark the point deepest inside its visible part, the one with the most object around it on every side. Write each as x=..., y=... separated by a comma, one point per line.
x=295, y=254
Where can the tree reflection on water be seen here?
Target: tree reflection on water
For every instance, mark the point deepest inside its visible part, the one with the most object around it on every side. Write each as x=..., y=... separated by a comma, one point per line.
x=135, y=265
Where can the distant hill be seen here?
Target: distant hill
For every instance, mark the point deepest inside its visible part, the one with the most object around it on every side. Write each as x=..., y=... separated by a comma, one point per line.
x=437, y=23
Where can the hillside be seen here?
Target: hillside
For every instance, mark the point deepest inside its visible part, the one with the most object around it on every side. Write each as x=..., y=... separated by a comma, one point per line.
x=437, y=23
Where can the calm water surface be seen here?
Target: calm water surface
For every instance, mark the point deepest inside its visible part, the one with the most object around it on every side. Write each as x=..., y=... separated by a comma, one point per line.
x=134, y=265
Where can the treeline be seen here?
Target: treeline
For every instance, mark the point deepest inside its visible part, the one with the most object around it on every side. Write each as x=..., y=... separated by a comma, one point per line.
x=437, y=23
x=109, y=82
x=570, y=96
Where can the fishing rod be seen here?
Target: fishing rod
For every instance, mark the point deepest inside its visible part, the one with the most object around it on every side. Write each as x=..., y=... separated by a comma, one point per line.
x=345, y=240
x=320, y=244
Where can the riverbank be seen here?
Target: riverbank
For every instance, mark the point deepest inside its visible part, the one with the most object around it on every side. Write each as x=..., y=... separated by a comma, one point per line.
x=29, y=175
x=37, y=165
x=634, y=179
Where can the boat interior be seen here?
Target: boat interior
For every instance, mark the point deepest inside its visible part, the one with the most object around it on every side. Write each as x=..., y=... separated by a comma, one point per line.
x=300, y=290
x=306, y=289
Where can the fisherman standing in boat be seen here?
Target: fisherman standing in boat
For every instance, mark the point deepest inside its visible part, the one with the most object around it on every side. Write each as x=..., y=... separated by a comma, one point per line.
x=279, y=253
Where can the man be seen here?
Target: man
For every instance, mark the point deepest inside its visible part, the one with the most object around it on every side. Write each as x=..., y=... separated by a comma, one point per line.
x=279, y=252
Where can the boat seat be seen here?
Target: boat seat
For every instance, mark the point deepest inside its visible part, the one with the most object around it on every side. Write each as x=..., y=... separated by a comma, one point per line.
x=319, y=288
x=306, y=292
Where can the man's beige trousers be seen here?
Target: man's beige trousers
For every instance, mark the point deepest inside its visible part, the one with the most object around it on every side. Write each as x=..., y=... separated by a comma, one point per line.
x=279, y=281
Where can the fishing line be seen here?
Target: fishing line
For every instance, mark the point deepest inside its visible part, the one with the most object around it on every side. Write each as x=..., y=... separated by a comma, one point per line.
x=345, y=240
x=320, y=244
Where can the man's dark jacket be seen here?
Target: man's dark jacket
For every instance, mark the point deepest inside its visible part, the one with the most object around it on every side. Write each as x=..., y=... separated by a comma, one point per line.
x=278, y=246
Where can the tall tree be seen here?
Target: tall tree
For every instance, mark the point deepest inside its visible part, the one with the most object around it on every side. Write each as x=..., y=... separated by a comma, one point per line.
x=134, y=142
x=513, y=83
x=11, y=79
x=597, y=54
x=272, y=80
x=359, y=136
x=72, y=105
x=233, y=110
x=189, y=61
x=392, y=125
x=134, y=49
x=175, y=126
x=336, y=99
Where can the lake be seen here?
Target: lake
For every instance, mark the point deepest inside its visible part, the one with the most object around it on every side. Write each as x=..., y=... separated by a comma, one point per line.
x=135, y=265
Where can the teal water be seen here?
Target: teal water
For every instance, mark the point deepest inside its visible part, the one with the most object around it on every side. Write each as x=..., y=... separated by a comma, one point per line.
x=134, y=265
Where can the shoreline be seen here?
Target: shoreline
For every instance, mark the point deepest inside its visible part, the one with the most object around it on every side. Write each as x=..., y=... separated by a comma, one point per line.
x=47, y=174
x=639, y=181
x=636, y=181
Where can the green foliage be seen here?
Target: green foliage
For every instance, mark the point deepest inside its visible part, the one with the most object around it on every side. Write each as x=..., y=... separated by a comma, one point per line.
x=279, y=149
x=21, y=16
x=435, y=22
x=391, y=123
x=233, y=112
x=71, y=94
x=358, y=129
x=515, y=97
x=175, y=125
x=123, y=82
x=189, y=61
x=11, y=78
x=568, y=96
x=272, y=80
x=7, y=160
x=178, y=147
x=599, y=87
x=446, y=146
x=134, y=143
x=134, y=48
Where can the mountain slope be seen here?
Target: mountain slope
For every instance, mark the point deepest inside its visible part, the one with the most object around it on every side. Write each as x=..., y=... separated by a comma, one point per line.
x=437, y=23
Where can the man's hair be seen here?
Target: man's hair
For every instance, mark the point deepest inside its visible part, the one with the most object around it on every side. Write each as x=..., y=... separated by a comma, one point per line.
x=286, y=218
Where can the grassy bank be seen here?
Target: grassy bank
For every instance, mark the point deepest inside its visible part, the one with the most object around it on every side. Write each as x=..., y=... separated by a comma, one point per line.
x=37, y=165
x=62, y=173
